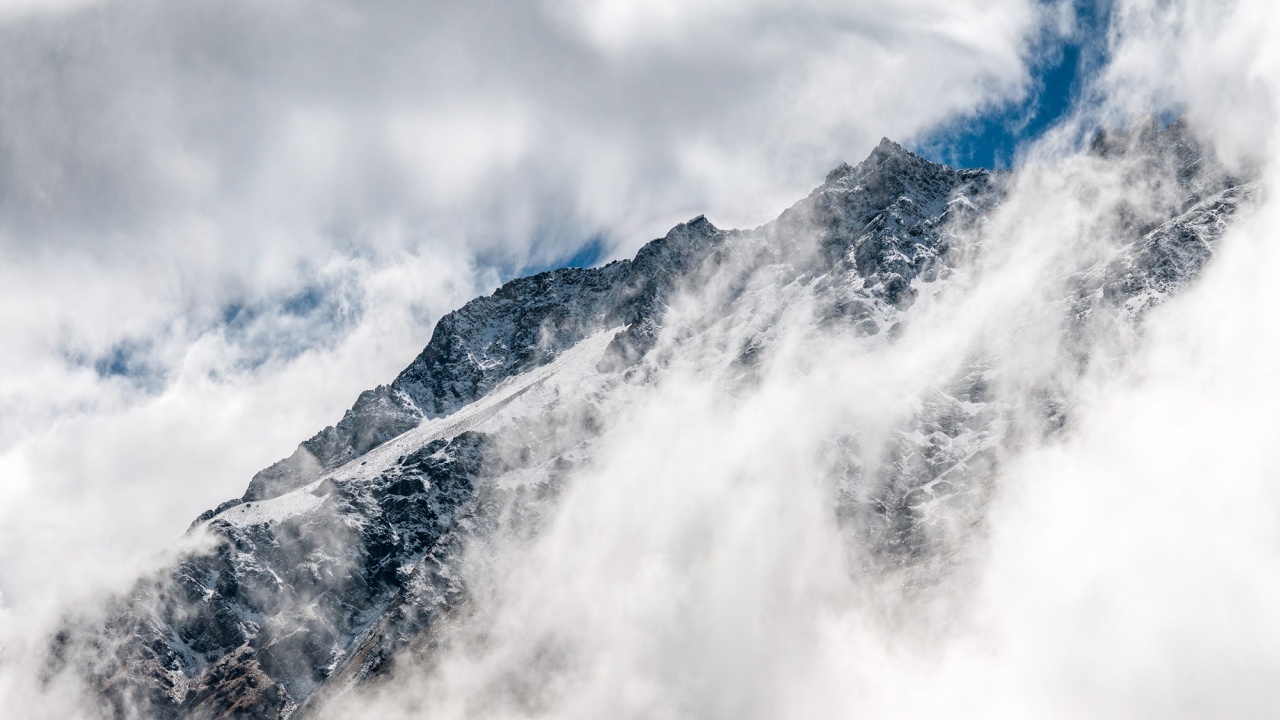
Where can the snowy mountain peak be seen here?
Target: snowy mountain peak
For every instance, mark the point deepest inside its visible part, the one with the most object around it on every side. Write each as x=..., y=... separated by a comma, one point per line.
x=349, y=553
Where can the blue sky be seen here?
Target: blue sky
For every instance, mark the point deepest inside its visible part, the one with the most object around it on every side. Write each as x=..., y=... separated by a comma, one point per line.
x=991, y=139
x=994, y=138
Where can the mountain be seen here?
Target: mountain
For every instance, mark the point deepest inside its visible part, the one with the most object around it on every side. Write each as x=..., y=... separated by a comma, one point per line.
x=345, y=556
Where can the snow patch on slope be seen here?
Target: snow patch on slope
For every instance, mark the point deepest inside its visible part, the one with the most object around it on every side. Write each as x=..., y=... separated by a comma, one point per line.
x=520, y=396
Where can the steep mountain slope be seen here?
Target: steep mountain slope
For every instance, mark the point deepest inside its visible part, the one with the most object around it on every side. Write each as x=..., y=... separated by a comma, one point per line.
x=346, y=553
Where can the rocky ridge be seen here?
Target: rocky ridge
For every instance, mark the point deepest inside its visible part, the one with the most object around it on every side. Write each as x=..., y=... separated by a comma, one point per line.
x=345, y=554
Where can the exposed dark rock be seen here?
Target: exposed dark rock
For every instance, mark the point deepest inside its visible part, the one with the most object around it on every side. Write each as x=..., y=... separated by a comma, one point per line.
x=303, y=592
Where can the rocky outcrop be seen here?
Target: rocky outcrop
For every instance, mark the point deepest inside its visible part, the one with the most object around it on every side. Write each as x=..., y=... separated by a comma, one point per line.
x=342, y=555
x=524, y=324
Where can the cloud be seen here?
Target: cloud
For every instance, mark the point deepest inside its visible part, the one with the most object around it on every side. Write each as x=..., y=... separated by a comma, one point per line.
x=219, y=221
x=1123, y=568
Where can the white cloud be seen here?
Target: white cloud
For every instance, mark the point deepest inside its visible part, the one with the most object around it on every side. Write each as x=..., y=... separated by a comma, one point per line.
x=1131, y=566
x=166, y=166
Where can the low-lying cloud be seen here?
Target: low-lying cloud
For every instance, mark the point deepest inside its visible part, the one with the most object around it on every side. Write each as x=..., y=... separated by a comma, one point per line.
x=174, y=177
x=1123, y=566
x=224, y=221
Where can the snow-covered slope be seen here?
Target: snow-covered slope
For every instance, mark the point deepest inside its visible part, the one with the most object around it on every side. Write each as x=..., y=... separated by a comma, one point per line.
x=345, y=554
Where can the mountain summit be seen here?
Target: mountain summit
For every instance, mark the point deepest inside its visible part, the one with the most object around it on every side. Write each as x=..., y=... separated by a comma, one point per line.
x=347, y=557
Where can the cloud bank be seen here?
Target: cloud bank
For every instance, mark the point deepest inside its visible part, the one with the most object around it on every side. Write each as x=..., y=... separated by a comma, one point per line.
x=220, y=221
x=1123, y=569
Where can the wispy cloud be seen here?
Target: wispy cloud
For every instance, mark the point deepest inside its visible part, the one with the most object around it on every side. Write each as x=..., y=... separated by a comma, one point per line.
x=220, y=221
x=1121, y=566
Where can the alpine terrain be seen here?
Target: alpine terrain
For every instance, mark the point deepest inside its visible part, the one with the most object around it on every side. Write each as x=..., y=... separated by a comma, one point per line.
x=355, y=556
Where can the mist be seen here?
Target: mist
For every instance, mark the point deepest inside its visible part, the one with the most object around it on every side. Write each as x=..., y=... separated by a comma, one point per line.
x=1111, y=545
x=219, y=223
x=1124, y=565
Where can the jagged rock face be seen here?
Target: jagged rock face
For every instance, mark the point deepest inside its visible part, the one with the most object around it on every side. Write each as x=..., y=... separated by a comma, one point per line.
x=259, y=619
x=523, y=325
x=886, y=220
x=344, y=554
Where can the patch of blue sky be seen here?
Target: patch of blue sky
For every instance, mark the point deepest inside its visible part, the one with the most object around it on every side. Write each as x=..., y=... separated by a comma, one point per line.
x=280, y=329
x=589, y=254
x=1060, y=72
x=133, y=361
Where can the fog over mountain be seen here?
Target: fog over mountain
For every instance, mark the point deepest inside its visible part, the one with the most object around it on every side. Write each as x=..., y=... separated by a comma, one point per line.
x=882, y=437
